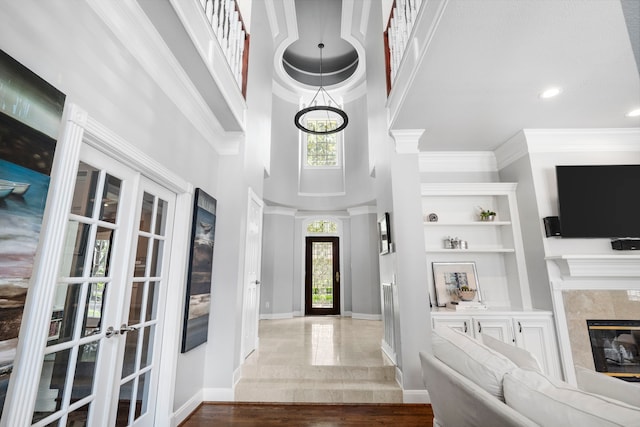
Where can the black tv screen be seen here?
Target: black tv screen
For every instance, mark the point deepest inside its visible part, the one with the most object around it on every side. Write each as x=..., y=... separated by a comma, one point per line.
x=599, y=201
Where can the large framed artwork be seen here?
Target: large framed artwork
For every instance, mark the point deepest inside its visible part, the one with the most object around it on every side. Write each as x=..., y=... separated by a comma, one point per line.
x=455, y=281
x=30, y=120
x=198, y=294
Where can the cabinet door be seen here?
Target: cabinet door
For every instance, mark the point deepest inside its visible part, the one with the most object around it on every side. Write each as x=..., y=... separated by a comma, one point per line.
x=537, y=337
x=460, y=323
x=497, y=327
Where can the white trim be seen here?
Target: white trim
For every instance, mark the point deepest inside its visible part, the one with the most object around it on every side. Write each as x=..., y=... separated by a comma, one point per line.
x=342, y=193
x=566, y=141
x=598, y=266
x=457, y=161
x=237, y=375
x=279, y=210
x=362, y=210
x=278, y=316
x=183, y=412
x=272, y=18
x=388, y=351
x=218, y=395
x=562, y=331
x=366, y=316
x=415, y=396
x=469, y=188
x=321, y=214
x=364, y=19
x=399, y=376
x=407, y=140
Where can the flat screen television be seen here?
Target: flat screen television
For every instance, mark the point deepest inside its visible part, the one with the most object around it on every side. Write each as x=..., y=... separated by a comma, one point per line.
x=599, y=201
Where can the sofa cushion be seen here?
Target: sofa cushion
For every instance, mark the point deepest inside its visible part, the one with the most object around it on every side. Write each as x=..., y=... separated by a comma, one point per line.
x=550, y=402
x=472, y=359
x=521, y=357
x=599, y=383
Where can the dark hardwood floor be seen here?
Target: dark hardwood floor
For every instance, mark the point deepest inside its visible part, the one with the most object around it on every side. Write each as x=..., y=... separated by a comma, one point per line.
x=310, y=415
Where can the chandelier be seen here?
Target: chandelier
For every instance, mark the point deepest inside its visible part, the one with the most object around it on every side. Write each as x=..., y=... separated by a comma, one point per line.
x=321, y=103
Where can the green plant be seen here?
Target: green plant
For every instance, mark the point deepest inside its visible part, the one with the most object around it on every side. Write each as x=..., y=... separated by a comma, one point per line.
x=465, y=288
x=486, y=213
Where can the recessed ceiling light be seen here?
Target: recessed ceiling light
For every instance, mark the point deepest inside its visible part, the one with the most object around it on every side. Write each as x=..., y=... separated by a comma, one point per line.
x=550, y=93
x=633, y=113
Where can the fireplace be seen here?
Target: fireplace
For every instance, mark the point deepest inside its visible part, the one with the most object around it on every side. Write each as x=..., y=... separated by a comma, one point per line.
x=615, y=345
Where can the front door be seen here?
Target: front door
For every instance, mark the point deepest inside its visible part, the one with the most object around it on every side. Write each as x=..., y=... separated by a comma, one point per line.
x=101, y=359
x=322, y=276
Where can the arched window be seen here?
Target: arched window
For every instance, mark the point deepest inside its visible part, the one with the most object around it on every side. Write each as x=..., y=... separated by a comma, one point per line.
x=323, y=226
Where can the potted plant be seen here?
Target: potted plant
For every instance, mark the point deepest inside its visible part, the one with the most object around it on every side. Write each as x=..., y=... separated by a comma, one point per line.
x=487, y=215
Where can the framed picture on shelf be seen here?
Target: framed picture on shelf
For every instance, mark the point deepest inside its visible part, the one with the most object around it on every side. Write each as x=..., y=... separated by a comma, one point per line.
x=455, y=281
x=384, y=234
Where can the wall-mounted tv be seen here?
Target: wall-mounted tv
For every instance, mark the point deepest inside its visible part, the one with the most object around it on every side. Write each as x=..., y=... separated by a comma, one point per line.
x=599, y=201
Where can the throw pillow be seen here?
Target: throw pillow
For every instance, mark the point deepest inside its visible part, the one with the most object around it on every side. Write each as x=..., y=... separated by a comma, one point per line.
x=599, y=383
x=472, y=359
x=521, y=357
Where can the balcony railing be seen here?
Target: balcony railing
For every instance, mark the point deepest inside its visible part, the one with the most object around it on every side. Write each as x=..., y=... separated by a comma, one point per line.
x=228, y=26
x=403, y=16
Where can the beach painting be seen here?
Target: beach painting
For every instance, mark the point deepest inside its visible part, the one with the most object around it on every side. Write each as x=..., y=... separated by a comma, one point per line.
x=30, y=118
x=198, y=295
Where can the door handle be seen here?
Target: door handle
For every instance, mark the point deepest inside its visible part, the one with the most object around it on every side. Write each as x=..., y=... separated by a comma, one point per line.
x=257, y=282
x=125, y=328
x=337, y=277
x=479, y=327
x=111, y=332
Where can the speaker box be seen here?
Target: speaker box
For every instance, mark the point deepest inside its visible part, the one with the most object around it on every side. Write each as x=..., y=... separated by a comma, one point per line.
x=552, y=226
x=625, y=244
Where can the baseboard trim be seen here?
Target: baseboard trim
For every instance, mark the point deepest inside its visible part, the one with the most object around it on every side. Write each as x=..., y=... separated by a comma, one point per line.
x=276, y=316
x=186, y=409
x=364, y=316
x=218, y=395
x=415, y=396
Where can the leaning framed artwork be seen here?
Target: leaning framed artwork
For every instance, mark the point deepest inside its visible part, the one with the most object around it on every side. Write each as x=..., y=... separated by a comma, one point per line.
x=384, y=234
x=198, y=294
x=455, y=281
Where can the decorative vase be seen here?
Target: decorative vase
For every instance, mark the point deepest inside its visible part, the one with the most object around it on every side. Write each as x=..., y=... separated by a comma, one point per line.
x=487, y=218
x=467, y=295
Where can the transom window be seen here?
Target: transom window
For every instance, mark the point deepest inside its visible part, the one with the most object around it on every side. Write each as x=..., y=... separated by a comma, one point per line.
x=322, y=150
x=323, y=226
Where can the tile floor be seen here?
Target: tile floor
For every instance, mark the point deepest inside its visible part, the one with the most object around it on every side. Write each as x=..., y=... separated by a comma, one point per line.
x=319, y=359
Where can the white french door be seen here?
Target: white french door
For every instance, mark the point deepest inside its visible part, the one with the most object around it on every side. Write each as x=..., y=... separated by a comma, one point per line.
x=253, y=256
x=100, y=364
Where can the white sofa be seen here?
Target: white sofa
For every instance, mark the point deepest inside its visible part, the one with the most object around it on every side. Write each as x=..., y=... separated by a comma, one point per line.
x=494, y=384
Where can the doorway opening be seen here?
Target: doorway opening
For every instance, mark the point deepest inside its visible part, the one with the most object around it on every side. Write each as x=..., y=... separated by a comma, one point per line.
x=322, y=276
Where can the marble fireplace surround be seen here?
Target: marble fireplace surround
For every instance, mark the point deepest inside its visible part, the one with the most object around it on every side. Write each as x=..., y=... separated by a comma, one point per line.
x=591, y=287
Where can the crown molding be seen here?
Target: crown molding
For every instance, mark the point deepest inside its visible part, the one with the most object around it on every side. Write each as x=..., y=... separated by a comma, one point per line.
x=280, y=210
x=467, y=188
x=594, y=266
x=457, y=161
x=362, y=210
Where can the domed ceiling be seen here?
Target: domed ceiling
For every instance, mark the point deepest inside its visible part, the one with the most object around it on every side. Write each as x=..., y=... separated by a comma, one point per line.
x=319, y=22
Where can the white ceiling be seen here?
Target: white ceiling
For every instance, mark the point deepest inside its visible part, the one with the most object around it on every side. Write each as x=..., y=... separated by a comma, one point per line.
x=478, y=83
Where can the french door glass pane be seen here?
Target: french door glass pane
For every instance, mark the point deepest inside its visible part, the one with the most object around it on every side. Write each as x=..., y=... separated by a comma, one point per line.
x=152, y=301
x=161, y=217
x=63, y=316
x=78, y=418
x=147, y=346
x=141, y=256
x=143, y=394
x=75, y=250
x=155, y=266
x=124, y=403
x=129, y=363
x=101, y=252
x=322, y=276
x=110, y=199
x=135, y=307
x=93, y=308
x=52, y=384
x=85, y=190
x=147, y=212
x=85, y=371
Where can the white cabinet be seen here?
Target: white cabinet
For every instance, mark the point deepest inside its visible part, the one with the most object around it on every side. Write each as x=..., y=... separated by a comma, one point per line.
x=532, y=331
x=494, y=246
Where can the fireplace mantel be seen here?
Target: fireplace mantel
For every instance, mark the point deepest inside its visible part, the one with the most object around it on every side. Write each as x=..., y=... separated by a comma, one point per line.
x=597, y=266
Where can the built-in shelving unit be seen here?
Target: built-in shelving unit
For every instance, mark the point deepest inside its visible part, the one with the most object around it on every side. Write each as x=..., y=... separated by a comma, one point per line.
x=495, y=246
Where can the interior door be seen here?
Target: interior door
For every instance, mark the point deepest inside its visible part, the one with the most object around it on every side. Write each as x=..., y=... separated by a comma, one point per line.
x=87, y=348
x=140, y=327
x=253, y=256
x=322, y=276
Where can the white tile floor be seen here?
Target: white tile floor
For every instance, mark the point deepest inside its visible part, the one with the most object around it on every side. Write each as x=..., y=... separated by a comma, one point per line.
x=319, y=359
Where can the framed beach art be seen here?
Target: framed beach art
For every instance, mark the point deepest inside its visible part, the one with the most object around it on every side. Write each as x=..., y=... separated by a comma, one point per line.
x=198, y=294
